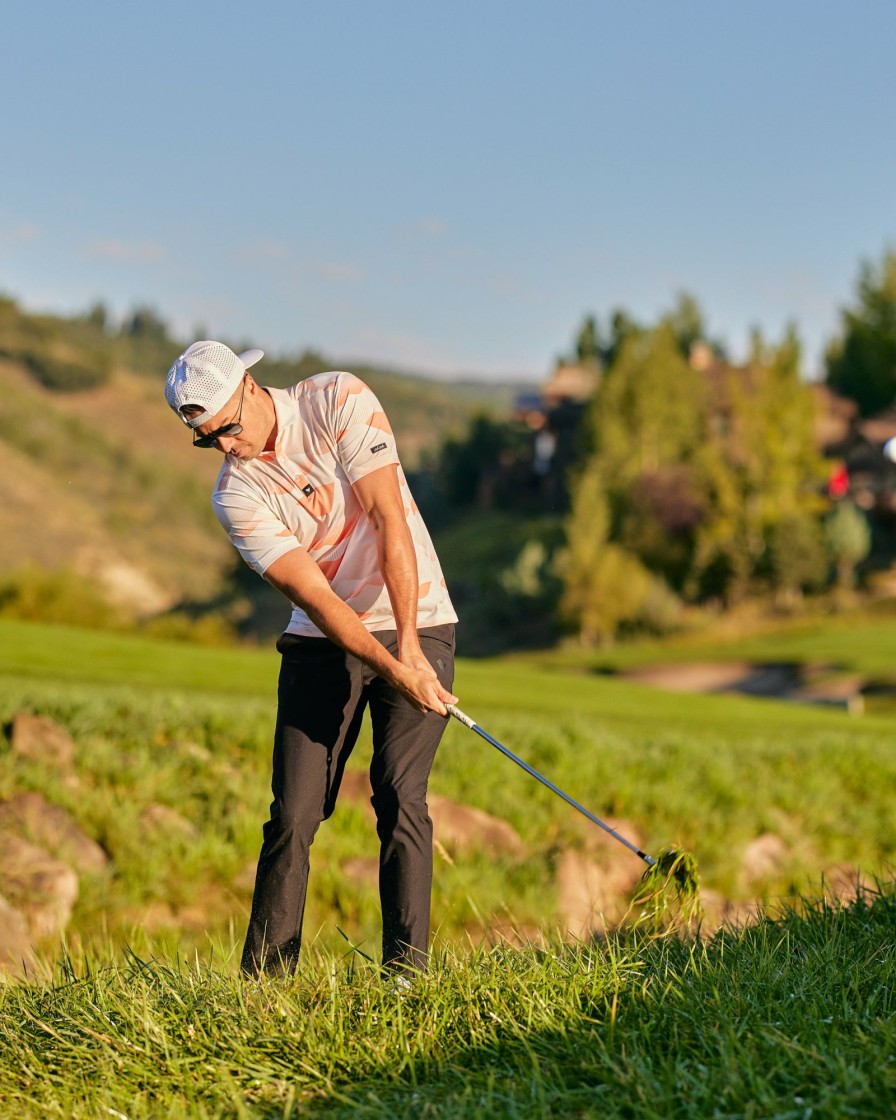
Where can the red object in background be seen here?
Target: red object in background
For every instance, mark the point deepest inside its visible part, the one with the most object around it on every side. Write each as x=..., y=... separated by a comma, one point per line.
x=838, y=483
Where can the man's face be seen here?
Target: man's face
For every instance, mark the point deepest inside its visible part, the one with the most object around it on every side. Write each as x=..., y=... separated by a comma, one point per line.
x=244, y=409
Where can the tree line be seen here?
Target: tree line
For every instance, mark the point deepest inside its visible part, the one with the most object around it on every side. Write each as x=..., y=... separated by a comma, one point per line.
x=692, y=482
x=686, y=483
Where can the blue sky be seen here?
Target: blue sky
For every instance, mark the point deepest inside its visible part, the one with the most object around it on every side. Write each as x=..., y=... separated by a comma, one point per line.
x=448, y=188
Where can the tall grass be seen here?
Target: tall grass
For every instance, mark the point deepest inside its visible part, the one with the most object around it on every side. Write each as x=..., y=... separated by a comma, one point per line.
x=791, y=1018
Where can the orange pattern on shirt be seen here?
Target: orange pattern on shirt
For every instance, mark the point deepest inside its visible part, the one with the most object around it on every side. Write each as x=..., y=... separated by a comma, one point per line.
x=331, y=431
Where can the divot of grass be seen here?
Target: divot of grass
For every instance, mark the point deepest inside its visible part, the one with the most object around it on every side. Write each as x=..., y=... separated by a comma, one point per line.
x=667, y=898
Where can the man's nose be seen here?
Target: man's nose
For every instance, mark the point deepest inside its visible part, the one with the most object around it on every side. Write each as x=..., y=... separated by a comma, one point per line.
x=224, y=443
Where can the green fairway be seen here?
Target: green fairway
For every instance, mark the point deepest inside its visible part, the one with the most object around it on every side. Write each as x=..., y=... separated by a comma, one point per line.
x=63, y=653
x=861, y=645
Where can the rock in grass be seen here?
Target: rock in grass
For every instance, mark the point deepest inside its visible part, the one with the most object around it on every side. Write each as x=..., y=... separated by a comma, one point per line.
x=50, y=827
x=16, y=953
x=41, y=740
x=41, y=888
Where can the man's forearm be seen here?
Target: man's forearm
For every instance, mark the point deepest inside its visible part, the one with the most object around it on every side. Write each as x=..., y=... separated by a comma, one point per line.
x=298, y=578
x=398, y=564
x=380, y=496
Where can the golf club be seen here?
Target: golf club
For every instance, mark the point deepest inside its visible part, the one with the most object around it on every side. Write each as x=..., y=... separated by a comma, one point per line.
x=473, y=726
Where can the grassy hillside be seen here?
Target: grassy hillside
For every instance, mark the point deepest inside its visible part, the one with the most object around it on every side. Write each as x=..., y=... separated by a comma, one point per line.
x=95, y=487
x=190, y=729
x=144, y=1016
x=105, y=482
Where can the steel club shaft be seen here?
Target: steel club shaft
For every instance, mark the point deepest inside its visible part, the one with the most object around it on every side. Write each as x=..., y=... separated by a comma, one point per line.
x=473, y=726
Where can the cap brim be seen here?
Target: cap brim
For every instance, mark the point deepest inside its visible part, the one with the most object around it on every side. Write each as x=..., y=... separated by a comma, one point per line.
x=250, y=357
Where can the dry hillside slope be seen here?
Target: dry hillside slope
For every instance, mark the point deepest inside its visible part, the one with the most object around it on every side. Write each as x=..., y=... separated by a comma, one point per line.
x=104, y=480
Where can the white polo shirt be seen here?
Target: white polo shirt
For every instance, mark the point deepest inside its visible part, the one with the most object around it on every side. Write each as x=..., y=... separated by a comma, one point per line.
x=331, y=431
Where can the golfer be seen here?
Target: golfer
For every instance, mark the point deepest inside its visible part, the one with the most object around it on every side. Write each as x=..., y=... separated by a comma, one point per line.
x=312, y=494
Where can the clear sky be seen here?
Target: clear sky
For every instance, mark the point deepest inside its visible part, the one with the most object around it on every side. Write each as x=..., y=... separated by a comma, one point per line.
x=447, y=187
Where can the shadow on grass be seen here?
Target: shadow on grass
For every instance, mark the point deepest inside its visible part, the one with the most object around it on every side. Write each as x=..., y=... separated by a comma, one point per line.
x=792, y=1017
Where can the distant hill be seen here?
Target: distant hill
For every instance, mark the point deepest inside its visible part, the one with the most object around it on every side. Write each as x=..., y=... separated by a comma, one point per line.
x=99, y=476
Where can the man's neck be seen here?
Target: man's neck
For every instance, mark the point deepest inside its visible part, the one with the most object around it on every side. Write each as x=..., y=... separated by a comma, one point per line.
x=272, y=436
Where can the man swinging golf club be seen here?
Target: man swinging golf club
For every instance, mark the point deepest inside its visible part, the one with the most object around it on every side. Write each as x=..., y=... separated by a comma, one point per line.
x=312, y=494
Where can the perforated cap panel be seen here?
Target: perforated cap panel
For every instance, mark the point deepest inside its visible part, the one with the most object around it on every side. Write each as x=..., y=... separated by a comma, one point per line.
x=206, y=376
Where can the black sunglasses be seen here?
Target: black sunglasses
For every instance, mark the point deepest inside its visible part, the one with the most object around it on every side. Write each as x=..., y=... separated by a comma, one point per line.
x=232, y=429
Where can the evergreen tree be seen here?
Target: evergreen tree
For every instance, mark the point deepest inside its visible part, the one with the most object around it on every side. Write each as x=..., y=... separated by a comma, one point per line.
x=861, y=364
x=588, y=343
x=798, y=558
x=849, y=541
x=686, y=320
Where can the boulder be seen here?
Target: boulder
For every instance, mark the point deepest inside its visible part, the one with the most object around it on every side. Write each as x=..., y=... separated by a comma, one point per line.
x=41, y=740
x=461, y=827
x=355, y=787
x=363, y=872
x=16, y=954
x=49, y=827
x=724, y=913
x=764, y=857
x=456, y=827
x=244, y=880
x=594, y=887
x=43, y=889
x=845, y=883
x=162, y=818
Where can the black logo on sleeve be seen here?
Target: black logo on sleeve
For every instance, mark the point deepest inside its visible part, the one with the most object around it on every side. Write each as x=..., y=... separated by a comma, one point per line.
x=379, y=447
x=308, y=490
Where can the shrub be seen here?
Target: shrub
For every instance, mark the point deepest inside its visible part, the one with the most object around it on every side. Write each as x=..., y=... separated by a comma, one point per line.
x=66, y=374
x=35, y=594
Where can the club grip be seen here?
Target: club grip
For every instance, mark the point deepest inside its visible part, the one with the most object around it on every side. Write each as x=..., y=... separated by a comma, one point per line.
x=453, y=710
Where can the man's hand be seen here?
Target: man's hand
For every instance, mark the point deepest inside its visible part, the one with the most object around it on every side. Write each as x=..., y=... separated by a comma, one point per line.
x=302, y=582
x=416, y=680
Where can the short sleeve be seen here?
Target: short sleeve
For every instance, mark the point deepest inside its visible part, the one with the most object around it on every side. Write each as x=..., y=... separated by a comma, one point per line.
x=364, y=439
x=254, y=529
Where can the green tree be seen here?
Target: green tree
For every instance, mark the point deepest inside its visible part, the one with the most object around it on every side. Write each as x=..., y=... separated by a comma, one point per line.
x=588, y=343
x=763, y=469
x=798, y=557
x=686, y=320
x=649, y=410
x=849, y=541
x=144, y=322
x=603, y=585
x=622, y=328
x=861, y=363
x=470, y=467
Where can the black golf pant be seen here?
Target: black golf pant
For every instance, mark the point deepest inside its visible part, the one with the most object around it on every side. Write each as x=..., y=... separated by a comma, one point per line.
x=322, y=694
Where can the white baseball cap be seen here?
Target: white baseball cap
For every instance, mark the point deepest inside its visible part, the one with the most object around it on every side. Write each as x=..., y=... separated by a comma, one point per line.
x=206, y=376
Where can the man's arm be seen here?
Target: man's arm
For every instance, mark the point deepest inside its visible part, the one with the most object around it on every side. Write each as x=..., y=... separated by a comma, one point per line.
x=380, y=496
x=298, y=577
